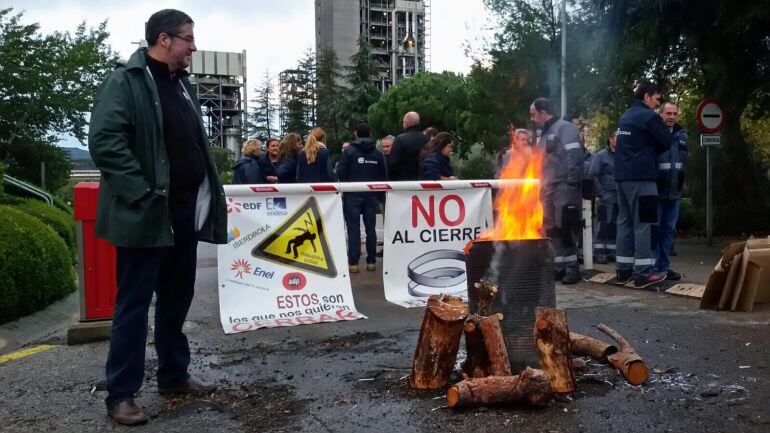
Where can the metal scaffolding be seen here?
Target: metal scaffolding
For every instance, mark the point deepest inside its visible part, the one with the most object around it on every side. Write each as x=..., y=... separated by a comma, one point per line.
x=220, y=81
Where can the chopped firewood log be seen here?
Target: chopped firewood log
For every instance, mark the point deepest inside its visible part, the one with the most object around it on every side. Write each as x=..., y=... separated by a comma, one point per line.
x=553, y=344
x=578, y=363
x=586, y=346
x=530, y=387
x=486, y=291
x=485, y=344
x=442, y=327
x=476, y=363
x=626, y=360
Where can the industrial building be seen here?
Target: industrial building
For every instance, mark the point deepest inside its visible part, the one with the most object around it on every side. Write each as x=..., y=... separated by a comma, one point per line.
x=219, y=78
x=398, y=31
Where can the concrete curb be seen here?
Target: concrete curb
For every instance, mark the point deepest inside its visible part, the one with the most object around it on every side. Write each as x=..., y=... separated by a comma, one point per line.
x=41, y=324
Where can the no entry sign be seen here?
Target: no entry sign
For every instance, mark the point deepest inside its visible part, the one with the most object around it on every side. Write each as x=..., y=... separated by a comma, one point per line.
x=710, y=116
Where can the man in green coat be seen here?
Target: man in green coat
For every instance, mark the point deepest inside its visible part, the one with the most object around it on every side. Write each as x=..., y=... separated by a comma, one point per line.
x=159, y=195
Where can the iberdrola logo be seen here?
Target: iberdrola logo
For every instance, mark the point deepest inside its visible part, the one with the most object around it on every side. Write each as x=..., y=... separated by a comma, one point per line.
x=233, y=234
x=240, y=266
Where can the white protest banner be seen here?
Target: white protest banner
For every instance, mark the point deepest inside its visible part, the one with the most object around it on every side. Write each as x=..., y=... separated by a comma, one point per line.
x=285, y=262
x=425, y=236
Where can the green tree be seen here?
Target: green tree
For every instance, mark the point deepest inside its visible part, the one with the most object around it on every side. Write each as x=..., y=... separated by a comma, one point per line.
x=330, y=99
x=307, y=85
x=712, y=49
x=298, y=96
x=360, y=77
x=262, y=113
x=46, y=88
x=441, y=100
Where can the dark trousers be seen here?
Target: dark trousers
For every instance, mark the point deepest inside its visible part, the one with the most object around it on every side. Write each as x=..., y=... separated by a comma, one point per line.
x=353, y=206
x=668, y=214
x=170, y=273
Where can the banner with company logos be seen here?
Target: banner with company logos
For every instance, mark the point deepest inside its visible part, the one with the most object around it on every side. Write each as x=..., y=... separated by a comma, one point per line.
x=425, y=236
x=285, y=262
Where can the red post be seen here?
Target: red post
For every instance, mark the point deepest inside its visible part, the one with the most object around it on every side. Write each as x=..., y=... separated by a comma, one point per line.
x=96, y=258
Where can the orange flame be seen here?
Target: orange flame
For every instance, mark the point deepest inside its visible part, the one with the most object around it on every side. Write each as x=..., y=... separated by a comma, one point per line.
x=519, y=210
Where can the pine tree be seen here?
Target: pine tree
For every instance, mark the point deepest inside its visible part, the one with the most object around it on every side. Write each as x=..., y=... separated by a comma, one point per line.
x=260, y=118
x=361, y=75
x=330, y=97
x=298, y=96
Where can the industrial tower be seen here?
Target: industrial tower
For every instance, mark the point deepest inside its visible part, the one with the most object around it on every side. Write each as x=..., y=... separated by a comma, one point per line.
x=398, y=30
x=220, y=81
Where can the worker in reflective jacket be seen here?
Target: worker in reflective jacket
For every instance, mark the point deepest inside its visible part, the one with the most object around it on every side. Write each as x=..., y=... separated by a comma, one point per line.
x=560, y=187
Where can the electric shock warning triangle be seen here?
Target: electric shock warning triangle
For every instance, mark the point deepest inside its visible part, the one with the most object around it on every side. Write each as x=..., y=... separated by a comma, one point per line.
x=300, y=242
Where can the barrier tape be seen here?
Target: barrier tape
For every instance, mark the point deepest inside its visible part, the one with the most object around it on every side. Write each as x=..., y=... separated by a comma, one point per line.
x=337, y=187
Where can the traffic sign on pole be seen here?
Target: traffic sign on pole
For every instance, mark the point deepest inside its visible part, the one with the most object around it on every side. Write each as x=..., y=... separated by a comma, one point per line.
x=710, y=115
x=710, y=140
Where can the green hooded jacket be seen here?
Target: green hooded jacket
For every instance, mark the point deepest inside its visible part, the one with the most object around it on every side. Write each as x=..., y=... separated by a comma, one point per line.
x=126, y=142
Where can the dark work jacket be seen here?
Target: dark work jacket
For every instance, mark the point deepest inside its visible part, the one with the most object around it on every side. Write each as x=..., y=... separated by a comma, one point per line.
x=642, y=136
x=671, y=164
x=362, y=162
x=319, y=171
x=405, y=156
x=246, y=171
x=126, y=141
x=435, y=165
x=267, y=167
x=563, y=154
x=286, y=169
x=603, y=171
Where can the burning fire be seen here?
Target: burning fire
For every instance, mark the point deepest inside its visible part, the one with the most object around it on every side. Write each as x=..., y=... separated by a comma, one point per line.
x=519, y=210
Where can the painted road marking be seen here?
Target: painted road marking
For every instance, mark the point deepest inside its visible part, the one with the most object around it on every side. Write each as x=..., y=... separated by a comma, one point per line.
x=25, y=352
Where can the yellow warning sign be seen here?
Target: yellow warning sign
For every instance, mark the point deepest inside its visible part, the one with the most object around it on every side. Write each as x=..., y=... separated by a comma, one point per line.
x=300, y=241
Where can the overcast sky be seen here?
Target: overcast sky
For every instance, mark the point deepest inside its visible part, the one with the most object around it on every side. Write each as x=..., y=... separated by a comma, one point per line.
x=274, y=33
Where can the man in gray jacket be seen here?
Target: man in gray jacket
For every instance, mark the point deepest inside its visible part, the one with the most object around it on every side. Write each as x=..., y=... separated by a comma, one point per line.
x=670, y=181
x=603, y=170
x=560, y=187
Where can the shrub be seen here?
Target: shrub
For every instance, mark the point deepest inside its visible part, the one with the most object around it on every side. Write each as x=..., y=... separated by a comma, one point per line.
x=477, y=164
x=691, y=219
x=35, y=268
x=59, y=220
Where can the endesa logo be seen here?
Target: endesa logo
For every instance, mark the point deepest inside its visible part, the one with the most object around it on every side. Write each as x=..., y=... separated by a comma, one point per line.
x=276, y=205
x=294, y=281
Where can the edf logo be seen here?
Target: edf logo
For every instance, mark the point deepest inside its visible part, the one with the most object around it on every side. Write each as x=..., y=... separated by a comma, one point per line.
x=252, y=206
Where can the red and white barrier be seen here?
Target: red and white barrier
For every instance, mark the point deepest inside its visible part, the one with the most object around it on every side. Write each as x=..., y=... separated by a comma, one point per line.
x=294, y=188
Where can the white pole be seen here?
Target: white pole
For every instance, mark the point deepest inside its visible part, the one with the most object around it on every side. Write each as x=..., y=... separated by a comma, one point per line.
x=588, y=238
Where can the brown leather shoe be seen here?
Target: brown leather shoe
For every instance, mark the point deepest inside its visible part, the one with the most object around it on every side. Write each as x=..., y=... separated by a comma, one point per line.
x=190, y=386
x=127, y=412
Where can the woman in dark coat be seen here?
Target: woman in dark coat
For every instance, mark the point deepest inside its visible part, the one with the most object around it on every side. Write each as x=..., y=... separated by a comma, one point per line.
x=434, y=158
x=246, y=170
x=313, y=162
x=269, y=160
x=286, y=167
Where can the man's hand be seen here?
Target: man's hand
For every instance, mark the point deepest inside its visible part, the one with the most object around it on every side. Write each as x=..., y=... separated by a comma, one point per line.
x=271, y=179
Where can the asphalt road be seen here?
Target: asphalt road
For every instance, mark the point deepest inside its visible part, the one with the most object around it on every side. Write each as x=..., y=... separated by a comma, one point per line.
x=709, y=373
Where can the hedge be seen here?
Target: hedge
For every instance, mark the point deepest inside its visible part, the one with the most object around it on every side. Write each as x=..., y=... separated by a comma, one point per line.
x=61, y=221
x=35, y=267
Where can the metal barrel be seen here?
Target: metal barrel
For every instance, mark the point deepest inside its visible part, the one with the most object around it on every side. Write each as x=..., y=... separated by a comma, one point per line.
x=523, y=271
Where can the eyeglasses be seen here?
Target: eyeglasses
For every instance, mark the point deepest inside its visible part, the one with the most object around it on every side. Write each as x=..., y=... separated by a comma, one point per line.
x=188, y=39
